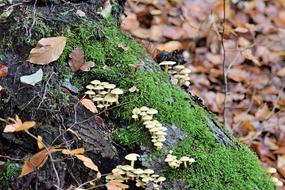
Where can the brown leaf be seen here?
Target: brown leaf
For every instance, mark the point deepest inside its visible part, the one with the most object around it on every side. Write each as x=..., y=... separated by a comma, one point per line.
x=74, y=151
x=87, y=66
x=3, y=71
x=76, y=59
x=89, y=105
x=36, y=161
x=238, y=75
x=40, y=142
x=87, y=162
x=16, y=125
x=116, y=185
x=80, y=13
x=47, y=50
x=263, y=113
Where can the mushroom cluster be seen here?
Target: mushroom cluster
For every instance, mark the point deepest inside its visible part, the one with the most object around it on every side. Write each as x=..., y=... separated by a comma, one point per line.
x=103, y=94
x=178, y=72
x=174, y=163
x=275, y=180
x=143, y=178
x=155, y=128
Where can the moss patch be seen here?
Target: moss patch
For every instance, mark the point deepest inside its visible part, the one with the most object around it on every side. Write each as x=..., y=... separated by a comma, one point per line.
x=7, y=172
x=217, y=167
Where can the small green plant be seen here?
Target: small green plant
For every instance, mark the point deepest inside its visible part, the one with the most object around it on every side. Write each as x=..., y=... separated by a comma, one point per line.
x=7, y=172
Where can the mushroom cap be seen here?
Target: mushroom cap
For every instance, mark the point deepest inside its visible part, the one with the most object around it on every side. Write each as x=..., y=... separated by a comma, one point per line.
x=169, y=159
x=144, y=108
x=110, y=86
x=192, y=160
x=185, y=71
x=104, y=83
x=110, y=98
x=149, y=123
x=148, y=171
x=136, y=111
x=150, y=126
x=147, y=179
x=279, y=183
x=99, y=87
x=118, y=171
x=161, y=139
x=90, y=87
x=100, y=106
x=152, y=111
x=274, y=179
x=160, y=133
x=152, y=130
x=159, y=144
x=184, y=158
x=117, y=91
x=143, y=113
x=179, y=67
x=132, y=156
x=97, y=99
x=135, y=116
x=161, y=179
x=103, y=92
x=90, y=92
x=147, y=118
x=154, y=175
x=167, y=63
x=96, y=82
x=187, y=83
x=138, y=171
x=178, y=76
x=127, y=167
x=271, y=170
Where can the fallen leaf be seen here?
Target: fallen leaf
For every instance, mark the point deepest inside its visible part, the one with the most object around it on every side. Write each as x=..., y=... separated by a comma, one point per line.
x=16, y=125
x=33, y=78
x=80, y=13
x=89, y=105
x=116, y=185
x=248, y=55
x=87, y=66
x=40, y=142
x=87, y=162
x=263, y=113
x=36, y=161
x=238, y=75
x=3, y=71
x=47, y=50
x=76, y=59
x=74, y=151
x=1, y=88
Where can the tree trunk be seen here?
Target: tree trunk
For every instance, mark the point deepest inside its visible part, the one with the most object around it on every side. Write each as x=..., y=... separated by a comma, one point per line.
x=221, y=162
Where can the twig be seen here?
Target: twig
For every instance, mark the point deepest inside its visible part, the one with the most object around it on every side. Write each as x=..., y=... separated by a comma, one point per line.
x=10, y=158
x=224, y=68
x=34, y=20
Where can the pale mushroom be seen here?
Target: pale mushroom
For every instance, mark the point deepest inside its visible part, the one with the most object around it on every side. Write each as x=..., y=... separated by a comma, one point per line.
x=185, y=159
x=117, y=92
x=138, y=172
x=148, y=172
x=147, y=179
x=96, y=82
x=271, y=170
x=152, y=111
x=90, y=92
x=136, y=111
x=109, y=86
x=135, y=117
x=161, y=179
x=127, y=168
x=144, y=109
x=90, y=87
x=111, y=98
x=167, y=64
x=132, y=157
x=147, y=118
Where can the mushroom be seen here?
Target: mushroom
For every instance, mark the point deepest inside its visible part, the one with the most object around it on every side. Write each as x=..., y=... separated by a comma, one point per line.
x=185, y=159
x=161, y=179
x=136, y=111
x=166, y=64
x=135, y=117
x=192, y=160
x=178, y=67
x=117, y=92
x=144, y=109
x=90, y=87
x=271, y=170
x=147, y=179
x=148, y=172
x=96, y=82
x=147, y=118
x=152, y=111
x=90, y=92
x=127, y=168
x=138, y=172
x=111, y=98
x=132, y=157
x=109, y=86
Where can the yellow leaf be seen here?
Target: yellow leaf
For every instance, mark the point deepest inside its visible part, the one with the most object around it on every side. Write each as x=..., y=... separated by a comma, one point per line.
x=47, y=50
x=87, y=162
x=89, y=105
x=73, y=132
x=116, y=185
x=36, y=161
x=40, y=142
x=73, y=152
x=10, y=128
x=26, y=125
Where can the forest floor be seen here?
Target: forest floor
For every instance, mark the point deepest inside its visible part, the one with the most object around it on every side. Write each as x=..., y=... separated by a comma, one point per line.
x=254, y=41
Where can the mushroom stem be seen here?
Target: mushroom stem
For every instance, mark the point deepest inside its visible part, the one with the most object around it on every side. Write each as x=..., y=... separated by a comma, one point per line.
x=185, y=164
x=132, y=163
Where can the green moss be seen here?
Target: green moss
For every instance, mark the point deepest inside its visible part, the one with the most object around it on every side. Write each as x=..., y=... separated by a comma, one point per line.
x=7, y=172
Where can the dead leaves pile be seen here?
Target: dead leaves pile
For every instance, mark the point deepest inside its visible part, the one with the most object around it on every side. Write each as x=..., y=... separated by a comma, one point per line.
x=76, y=61
x=254, y=43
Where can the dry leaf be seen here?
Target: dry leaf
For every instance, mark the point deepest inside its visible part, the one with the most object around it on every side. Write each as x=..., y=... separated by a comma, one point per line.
x=3, y=71
x=87, y=66
x=89, y=105
x=74, y=151
x=263, y=113
x=1, y=88
x=40, y=142
x=47, y=50
x=76, y=59
x=36, y=161
x=16, y=125
x=80, y=13
x=87, y=162
x=116, y=185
